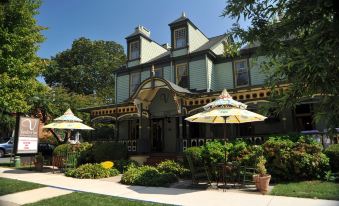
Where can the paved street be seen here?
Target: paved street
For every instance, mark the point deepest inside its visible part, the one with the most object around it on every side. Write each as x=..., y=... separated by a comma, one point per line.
x=159, y=194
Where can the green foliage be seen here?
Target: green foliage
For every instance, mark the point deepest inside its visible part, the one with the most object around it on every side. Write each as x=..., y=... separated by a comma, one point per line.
x=87, y=67
x=19, y=65
x=170, y=166
x=147, y=176
x=300, y=49
x=63, y=149
x=213, y=152
x=196, y=154
x=261, y=168
x=123, y=164
x=333, y=153
x=91, y=171
x=103, y=151
x=287, y=160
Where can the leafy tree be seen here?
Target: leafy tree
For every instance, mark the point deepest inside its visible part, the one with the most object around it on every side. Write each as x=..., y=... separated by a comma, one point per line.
x=19, y=64
x=87, y=67
x=301, y=39
x=50, y=103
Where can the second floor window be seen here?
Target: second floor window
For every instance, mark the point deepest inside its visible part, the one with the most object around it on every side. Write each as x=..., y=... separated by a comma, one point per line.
x=182, y=75
x=158, y=72
x=134, y=82
x=241, y=73
x=134, y=50
x=180, y=38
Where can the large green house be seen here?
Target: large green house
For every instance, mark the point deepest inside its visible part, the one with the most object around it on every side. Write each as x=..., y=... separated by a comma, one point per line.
x=161, y=84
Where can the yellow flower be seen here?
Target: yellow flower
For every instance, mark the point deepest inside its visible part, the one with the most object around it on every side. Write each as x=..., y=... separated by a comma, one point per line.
x=107, y=164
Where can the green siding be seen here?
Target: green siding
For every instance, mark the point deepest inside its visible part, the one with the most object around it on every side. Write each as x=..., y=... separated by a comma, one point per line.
x=210, y=78
x=195, y=38
x=197, y=75
x=122, y=88
x=168, y=73
x=223, y=75
x=133, y=63
x=257, y=76
x=179, y=52
x=144, y=75
x=150, y=50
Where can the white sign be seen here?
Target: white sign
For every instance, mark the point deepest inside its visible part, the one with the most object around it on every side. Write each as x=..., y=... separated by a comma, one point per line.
x=28, y=136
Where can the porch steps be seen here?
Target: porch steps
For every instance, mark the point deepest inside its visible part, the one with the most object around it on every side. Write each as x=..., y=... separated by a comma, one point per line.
x=156, y=158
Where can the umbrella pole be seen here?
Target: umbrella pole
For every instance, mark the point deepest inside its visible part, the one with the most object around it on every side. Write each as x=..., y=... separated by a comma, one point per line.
x=225, y=137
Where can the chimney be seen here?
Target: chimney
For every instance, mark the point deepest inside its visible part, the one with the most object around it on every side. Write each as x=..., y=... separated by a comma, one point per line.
x=166, y=46
x=143, y=30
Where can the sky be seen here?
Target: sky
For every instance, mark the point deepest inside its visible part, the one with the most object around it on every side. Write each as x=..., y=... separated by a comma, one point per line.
x=113, y=20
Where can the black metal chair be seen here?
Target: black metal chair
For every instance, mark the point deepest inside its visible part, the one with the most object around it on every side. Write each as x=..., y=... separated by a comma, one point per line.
x=198, y=172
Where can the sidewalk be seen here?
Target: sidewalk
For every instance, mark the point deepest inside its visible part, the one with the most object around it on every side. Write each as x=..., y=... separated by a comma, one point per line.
x=159, y=194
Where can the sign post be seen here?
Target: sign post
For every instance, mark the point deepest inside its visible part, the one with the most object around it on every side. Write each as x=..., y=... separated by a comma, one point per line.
x=26, y=137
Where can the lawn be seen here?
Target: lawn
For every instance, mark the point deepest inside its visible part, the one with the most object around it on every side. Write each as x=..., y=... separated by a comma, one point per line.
x=90, y=199
x=308, y=189
x=8, y=186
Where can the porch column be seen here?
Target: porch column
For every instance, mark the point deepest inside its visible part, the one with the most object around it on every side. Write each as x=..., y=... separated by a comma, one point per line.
x=140, y=121
x=180, y=133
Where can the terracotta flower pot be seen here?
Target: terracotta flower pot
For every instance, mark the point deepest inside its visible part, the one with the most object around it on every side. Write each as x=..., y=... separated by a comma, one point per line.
x=256, y=181
x=264, y=182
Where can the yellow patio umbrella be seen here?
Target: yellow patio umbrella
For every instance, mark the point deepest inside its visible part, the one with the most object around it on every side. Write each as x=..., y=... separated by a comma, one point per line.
x=67, y=121
x=225, y=110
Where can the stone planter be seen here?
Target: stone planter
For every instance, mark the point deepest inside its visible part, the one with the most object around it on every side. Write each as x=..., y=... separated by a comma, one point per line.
x=264, y=182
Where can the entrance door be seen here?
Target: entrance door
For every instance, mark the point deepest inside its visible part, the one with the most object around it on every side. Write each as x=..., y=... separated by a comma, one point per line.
x=157, y=135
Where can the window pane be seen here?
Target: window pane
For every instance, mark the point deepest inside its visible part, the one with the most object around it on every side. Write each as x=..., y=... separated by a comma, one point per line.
x=158, y=72
x=182, y=75
x=134, y=82
x=134, y=50
x=180, y=38
x=242, y=78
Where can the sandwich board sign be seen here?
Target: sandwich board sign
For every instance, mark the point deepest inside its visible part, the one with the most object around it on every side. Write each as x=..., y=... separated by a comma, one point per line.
x=28, y=135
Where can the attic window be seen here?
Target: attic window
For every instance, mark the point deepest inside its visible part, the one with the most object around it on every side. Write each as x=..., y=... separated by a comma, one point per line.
x=180, y=38
x=134, y=50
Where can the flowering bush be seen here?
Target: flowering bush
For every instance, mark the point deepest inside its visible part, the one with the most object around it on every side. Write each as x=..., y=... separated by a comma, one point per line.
x=91, y=171
x=147, y=176
x=107, y=164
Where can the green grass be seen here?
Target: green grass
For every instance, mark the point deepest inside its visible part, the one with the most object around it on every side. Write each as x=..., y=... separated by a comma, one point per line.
x=90, y=199
x=8, y=186
x=308, y=189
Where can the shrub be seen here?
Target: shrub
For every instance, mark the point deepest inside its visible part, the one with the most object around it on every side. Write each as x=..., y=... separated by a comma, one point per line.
x=196, y=154
x=333, y=153
x=91, y=171
x=123, y=164
x=147, y=176
x=287, y=160
x=104, y=151
x=213, y=152
x=169, y=166
x=63, y=149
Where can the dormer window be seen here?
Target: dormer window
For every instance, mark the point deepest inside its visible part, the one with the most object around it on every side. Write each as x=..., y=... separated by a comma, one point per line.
x=180, y=39
x=134, y=48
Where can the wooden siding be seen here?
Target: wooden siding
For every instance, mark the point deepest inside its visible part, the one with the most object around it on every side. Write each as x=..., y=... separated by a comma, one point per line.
x=145, y=75
x=168, y=73
x=197, y=75
x=218, y=49
x=179, y=52
x=257, y=76
x=133, y=63
x=209, y=65
x=122, y=88
x=150, y=50
x=195, y=38
x=223, y=75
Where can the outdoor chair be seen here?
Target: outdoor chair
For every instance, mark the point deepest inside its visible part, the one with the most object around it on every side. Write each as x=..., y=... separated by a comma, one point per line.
x=198, y=172
x=228, y=172
x=246, y=174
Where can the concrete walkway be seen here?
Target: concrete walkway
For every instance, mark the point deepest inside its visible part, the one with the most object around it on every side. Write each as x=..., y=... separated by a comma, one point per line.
x=160, y=194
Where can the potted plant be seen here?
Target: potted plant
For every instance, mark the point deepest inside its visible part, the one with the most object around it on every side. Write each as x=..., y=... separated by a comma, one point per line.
x=39, y=162
x=264, y=178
